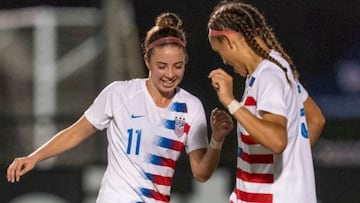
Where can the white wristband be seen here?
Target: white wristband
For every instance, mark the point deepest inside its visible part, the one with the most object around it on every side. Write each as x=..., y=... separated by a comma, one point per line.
x=234, y=106
x=215, y=144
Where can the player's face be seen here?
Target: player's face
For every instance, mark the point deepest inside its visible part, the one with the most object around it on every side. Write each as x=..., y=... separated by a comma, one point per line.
x=229, y=54
x=166, y=68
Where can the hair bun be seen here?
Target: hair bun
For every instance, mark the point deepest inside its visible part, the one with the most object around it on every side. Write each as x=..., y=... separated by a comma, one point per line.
x=168, y=20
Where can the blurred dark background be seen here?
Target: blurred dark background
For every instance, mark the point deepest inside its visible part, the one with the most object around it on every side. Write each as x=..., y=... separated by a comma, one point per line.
x=102, y=39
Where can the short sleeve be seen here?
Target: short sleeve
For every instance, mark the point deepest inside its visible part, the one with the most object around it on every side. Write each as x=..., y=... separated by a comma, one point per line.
x=197, y=137
x=272, y=89
x=101, y=110
x=302, y=91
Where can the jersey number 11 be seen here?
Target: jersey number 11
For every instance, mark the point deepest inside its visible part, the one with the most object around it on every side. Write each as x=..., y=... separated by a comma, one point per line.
x=137, y=141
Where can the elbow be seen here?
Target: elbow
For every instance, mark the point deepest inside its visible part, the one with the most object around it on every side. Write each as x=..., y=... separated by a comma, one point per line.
x=321, y=122
x=202, y=177
x=279, y=147
x=315, y=118
x=318, y=122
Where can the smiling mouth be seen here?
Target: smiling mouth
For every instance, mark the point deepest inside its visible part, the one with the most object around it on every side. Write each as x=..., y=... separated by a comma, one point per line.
x=169, y=83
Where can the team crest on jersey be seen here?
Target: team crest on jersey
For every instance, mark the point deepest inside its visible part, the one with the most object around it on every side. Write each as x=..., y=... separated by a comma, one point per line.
x=179, y=126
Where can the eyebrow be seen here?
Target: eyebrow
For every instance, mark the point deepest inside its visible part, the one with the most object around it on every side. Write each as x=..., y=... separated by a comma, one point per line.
x=178, y=62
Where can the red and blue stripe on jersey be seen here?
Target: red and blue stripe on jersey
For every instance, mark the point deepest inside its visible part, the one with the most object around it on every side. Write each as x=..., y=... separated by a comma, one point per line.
x=178, y=107
x=167, y=143
x=251, y=157
x=155, y=195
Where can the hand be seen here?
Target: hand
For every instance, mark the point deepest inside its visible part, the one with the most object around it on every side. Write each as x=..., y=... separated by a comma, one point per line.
x=19, y=167
x=221, y=124
x=223, y=85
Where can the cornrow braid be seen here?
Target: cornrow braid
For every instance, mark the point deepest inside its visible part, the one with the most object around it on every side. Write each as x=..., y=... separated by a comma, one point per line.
x=250, y=39
x=245, y=19
x=251, y=33
x=268, y=36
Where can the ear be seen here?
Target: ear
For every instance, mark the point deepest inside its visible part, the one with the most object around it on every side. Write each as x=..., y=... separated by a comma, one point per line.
x=228, y=42
x=147, y=61
x=234, y=41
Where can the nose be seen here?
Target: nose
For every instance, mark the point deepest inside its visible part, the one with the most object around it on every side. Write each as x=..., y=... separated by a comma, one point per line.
x=170, y=72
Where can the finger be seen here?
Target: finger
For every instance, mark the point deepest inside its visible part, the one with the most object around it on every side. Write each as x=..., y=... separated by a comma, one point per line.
x=219, y=119
x=216, y=71
x=214, y=83
x=227, y=125
x=11, y=172
x=223, y=125
x=25, y=169
x=222, y=116
x=17, y=172
x=213, y=72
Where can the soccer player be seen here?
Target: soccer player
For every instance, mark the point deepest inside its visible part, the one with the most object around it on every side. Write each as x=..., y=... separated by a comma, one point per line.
x=149, y=121
x=277, y=119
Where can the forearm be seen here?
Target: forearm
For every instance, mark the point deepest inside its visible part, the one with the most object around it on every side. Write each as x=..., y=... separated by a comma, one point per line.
x=64, y=140
x=207, y=164
x=205, y=161
x=269, y=131
x=59, y=143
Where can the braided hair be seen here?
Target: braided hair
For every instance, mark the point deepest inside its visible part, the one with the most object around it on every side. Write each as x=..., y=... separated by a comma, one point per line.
x=246, y=19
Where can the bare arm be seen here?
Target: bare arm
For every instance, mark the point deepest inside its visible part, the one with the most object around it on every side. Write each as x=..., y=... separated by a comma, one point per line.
x=204, y=161
x=314, y=118
x=62, y=141
x=269, y=131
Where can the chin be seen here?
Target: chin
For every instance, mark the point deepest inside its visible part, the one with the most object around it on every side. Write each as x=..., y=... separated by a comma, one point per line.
x=168, y=88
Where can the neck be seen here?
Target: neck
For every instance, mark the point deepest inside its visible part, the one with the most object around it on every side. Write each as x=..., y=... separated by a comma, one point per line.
x=256, y=59
x=160, y=99
x=253, y=63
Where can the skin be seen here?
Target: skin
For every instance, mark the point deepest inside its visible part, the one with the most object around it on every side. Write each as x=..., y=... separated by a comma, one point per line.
x=166, y=69
x=314, y=118
x=270, y=130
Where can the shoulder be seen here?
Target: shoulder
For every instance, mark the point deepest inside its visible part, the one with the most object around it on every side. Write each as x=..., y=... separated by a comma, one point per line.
x=187, y=97
x=125, y=85
x=269, y=78
x=133, y=83
x=270, y=67
x=269, y=72
x=122, y=89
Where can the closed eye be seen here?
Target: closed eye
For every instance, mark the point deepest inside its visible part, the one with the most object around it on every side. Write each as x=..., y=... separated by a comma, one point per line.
x=179, y=65
x=161, y=65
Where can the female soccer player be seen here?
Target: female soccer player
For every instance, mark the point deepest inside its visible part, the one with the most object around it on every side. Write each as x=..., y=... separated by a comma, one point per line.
x=277, y=119
x=149, y=121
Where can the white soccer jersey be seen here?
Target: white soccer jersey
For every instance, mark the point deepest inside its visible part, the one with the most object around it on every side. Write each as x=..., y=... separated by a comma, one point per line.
x=144, y=140
x=262, y=176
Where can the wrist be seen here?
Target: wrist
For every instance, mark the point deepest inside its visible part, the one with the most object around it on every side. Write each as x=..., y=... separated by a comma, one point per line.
x=233, y=106
x=215, y=144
